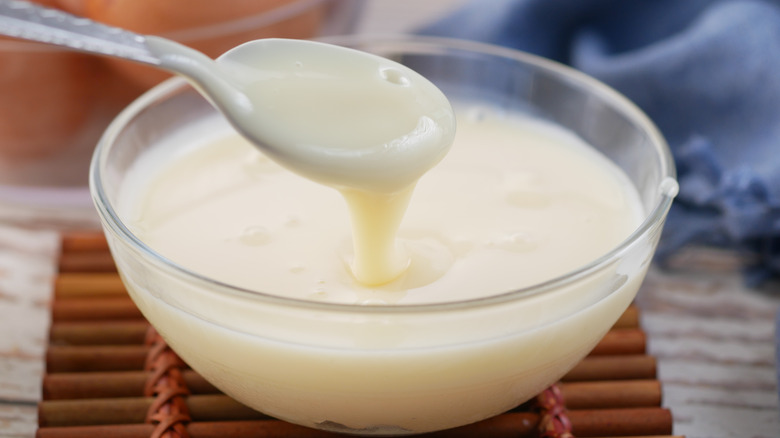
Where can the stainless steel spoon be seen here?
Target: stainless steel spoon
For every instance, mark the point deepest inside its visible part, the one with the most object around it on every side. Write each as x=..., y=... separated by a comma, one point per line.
x=227, y=82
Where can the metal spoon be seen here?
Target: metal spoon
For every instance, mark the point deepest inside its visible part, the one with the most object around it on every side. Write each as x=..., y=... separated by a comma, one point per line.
x=232, y=81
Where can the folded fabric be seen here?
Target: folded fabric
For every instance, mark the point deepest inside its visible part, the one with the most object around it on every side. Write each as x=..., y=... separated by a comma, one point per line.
x=707, y=72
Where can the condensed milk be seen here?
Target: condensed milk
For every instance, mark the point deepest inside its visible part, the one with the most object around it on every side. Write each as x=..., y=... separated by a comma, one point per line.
x=248, y=270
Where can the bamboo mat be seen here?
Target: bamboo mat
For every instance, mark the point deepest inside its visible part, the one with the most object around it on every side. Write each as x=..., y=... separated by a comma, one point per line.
x=108, y=374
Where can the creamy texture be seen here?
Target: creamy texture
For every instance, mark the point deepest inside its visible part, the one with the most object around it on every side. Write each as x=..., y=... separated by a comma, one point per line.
x=516, y=202
x=358, y=122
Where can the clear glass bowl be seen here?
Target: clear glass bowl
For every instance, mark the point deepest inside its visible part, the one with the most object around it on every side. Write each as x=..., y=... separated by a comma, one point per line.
x=57, y=103
x=394, y=370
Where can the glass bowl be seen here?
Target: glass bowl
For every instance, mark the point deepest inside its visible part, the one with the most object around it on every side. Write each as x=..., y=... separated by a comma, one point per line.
x=395, y=370
x=57, y=103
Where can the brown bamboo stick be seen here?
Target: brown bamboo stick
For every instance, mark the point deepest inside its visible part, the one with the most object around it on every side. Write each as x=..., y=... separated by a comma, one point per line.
x=516, y=425
x=620, y=422
x=611, y=394
x=83, y=240
x=85, y=412
x=68, y=386
x=86, y=261
x=617, y=367
x=232, y=429
x=121, y=332
x=629, y=318
x=513, y=424
x=88, y=284
x=92, y=309
x=63, y=359
x=523, y=424
x=621, y=341
x=269, y=429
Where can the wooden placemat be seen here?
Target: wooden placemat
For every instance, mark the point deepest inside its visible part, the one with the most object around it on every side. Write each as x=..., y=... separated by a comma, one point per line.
x=108, y=374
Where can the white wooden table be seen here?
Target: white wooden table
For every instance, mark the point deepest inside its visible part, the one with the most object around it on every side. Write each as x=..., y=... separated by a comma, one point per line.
x=714, y=340
x=713, y=337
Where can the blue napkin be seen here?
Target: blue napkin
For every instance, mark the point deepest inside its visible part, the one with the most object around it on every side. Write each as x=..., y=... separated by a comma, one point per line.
x=706, y=71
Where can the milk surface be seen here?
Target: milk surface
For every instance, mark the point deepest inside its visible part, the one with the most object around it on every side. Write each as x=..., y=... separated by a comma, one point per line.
x=516, y=202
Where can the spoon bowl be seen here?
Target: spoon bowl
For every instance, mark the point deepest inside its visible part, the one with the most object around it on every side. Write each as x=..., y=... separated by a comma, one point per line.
x=336, y=115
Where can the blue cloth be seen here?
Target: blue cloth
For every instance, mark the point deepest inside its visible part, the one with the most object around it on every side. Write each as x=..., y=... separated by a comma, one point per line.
x=706, y=71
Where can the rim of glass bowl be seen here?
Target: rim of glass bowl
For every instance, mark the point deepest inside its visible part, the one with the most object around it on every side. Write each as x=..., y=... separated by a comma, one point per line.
x=653, y=219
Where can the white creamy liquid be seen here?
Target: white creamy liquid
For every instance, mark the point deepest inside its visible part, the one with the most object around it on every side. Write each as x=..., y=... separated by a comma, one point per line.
x=516, y=202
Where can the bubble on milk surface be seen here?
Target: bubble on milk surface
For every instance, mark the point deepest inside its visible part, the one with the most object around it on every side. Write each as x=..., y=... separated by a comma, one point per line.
x=319, y=292
x=255, y=236
x=292, y=222
x=516, y=242
x=297, y=268
x=318, y=295
x=394, y=76
x=526, y=190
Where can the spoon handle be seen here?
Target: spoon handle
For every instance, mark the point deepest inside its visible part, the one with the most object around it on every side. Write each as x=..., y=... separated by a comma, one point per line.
x=21, y=19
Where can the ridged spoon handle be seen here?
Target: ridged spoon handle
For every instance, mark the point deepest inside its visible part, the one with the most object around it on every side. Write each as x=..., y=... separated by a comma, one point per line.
x=29, y=21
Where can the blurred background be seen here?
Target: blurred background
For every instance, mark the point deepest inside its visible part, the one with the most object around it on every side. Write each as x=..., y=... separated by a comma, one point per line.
x=705, y=70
